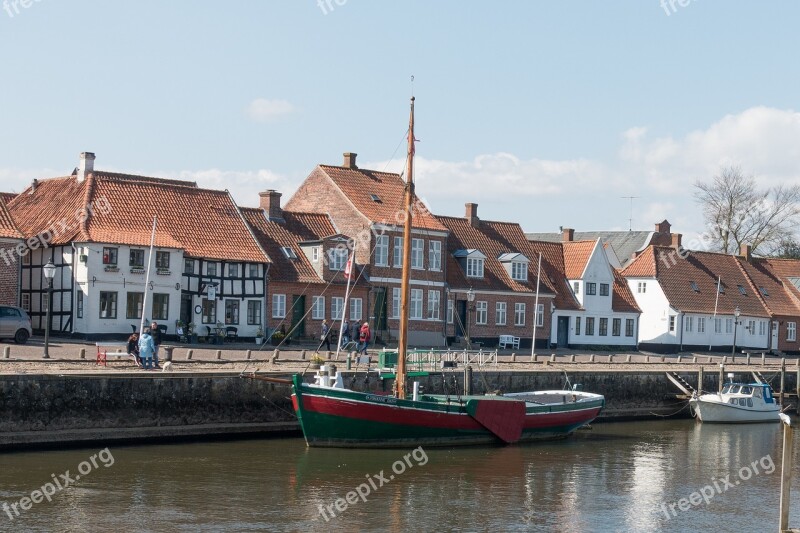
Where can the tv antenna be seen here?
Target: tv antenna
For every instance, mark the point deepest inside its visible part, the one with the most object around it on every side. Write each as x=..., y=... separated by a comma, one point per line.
x=630, y=220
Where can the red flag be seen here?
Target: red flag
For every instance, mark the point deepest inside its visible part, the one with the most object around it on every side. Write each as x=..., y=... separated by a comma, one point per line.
x=348, y=268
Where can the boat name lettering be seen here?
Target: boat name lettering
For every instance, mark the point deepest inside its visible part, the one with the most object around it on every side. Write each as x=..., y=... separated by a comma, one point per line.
x=383, y=399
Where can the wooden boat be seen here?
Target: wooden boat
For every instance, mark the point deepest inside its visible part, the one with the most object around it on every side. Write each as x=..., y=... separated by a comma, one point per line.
x=331, y=415
x=737, y=403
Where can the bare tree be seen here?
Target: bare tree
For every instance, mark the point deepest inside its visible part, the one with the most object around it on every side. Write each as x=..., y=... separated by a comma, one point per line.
x=738, y=212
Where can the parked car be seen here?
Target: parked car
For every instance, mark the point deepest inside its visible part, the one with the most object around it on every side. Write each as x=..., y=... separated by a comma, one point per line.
x=15, y=324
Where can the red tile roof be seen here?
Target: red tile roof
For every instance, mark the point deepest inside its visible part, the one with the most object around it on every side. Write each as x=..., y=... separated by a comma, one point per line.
x=553, y=268
x=576, y=256
x=622, y=299
x=492, y=239
x=358, y=185
x=203, y=222
x=297, y=227
x=644, y=266
x=783, y=297
x=7, y=196
x=8, y=228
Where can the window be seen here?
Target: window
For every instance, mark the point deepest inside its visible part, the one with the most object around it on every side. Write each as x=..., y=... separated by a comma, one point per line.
x=603, y=329
x=160, y=306
x=695, y=288
x=433, y=305
x=450, y=311
x=162, y=260
x=591, y=288
x=415, y=311
x=233, y=270
x=672, y=323
x=397, y=253
x=500, y=313
x=481, y=312
x=728, y=325
x=519, y=314
x=717, y=325
x=395, y=302
x=211, y=269
x=519, y=271
x=382, y=250
x=317, y=307
x=721, y=288
x=577, y=325
x=79, y=310
x=629, y=327
x=231, y=311
x=474, y=267
x=253, y=270
x=616, y=326
x=278, y=306
x=688, y=323
x=337, y=258
x=589, y=325
x=288, y=252
x=742, y=290
x=435, y=255
x=701, y=324
x=133, y=306
x=108, y=304
x=604, y=289
x=110, y=256
x=188, y=266
x=762, y=327
x=791, y=331
x=764, y=291
x=417, y=253
x=26, y=300
x=751, y=327
x=641, y=287
x=136, y=259
x=576, y=287
x=315, y=254
x=355, y=309
x=253, y=312
x=209, y=313
x=540, y=315
x=337, y=307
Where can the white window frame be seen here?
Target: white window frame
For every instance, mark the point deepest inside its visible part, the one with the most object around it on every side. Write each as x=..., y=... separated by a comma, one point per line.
x=415, y=304
x=417, y=254
x=434, y=299
x=540, y=316
x=474, y=267
x=728, y=325
x=318, y=308
x=519, y=270
x=519, y=313
x=356, y=309
x=382, y=250
x=337, y=258
x=717, y=325
x=397, y=253
x=395, y=302
x=701, y=324
x=500, y=313
x=672, y=321
x=337, y=306
x=762, y=328
x=435, y=256
x=315, y=254
x=450, y=311
x=688, y=323
x=278, y=306
x=481, y=312
x=641, y=287
x=791, y=331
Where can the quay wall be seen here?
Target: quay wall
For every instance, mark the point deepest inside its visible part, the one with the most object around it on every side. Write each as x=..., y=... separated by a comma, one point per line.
x=69, y=409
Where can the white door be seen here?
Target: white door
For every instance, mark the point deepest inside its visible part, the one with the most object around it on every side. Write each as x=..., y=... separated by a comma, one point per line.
x=774, y=344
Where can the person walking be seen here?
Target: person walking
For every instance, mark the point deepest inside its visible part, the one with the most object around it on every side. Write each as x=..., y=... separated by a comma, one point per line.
x=345, y=334
x=364, y=337
x=325, y=338
x=155, y=333
x=146, y=349
x=133, y=348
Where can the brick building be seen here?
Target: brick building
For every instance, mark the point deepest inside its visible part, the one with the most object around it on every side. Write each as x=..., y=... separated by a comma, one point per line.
x=10, y=239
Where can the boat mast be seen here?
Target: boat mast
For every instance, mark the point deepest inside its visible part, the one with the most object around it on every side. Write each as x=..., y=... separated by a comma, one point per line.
x=400, y=378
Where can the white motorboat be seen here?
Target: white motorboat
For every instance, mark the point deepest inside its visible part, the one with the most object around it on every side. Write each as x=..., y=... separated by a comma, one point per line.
x=737, y=403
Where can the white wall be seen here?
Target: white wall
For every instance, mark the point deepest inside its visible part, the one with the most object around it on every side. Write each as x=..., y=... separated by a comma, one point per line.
x=654, y=321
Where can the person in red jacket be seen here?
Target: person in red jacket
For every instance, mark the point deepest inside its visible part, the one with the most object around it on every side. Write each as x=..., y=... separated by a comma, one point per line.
x=363, y=338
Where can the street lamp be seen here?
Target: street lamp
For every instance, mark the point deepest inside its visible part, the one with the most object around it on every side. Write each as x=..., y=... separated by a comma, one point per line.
x=470, y=299
x=49, y=272
x=736, y=313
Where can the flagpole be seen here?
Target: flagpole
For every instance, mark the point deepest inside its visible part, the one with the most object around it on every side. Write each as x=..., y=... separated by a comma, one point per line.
x=348, y=273
x=719, y=280
x=536, y=307
x=147, y=276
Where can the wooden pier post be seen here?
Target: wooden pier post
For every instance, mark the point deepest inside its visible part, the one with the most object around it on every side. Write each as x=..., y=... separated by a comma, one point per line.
x=721, y=376
x=700, y=381
x=783, y=380
x=786, y=473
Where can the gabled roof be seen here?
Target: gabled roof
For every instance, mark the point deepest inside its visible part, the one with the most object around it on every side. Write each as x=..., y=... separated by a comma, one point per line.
x=624, y=243
x=515, y=256
x=622, y=299
x=576, y=257
x=676, y=276
x=7, y=196
x=493, y=239
x=297, y=227
x=359, y=186
x=779, y=277
x=8, y=229
x=203, y=222
x=553, y=268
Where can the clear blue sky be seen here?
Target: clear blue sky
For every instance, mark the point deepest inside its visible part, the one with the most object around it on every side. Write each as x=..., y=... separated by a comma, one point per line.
x=544, y=113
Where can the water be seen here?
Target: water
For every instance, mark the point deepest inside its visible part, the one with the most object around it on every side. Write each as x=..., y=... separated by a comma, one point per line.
x=612, y=478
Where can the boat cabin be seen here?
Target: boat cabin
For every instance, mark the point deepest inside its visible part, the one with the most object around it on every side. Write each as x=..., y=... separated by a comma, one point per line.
x=743, y=394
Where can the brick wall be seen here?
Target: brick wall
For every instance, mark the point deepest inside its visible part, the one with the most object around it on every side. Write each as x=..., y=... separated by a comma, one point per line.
x=491, y=331
x=9, y=275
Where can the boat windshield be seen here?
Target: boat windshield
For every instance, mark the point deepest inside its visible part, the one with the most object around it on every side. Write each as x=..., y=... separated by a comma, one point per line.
x=735, y=389
x=747, y=390
x=726, y=389
x=757, y=392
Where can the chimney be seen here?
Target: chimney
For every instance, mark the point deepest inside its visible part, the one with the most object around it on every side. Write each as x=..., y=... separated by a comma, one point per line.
x=34, y=184
x=676, y=240
x=567, y=234
x=350, y=160
x=271, y=203
x=471, y=214
x=746, y=252
x=663, y=227
x=86, y=165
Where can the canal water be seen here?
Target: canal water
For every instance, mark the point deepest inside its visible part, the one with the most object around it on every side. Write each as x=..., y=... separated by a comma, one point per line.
x=637, y=476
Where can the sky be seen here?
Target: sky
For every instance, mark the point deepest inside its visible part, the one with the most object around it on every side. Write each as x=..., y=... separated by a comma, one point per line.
x=545, y=113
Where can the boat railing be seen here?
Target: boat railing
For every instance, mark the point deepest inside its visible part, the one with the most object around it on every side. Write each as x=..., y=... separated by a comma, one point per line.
x=432, y=360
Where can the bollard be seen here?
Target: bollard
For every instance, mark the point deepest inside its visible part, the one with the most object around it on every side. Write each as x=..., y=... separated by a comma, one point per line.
x=679, y=358
x=572, y=358
x=552, y=358
x=628, y=358
x=249, y=353
x=83, y=353
x=329, y=355
x=349, y=361
x=610, y=358
x=724, y=359
x=663, y=358
x=303, y=354
x=219, y=355
x=6, y=352
x=694, y=359
x=763, y=359
x=513, y=358
x=748, y=360
x=189, y=354
x=646, y=358
x=276, y=353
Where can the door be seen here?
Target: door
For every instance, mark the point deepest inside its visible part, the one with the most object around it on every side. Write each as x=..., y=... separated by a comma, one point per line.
x=379, y=312
x=186, y=308
x=462, y=327
x=563, y=331
x=298, y=328
x=775, y=326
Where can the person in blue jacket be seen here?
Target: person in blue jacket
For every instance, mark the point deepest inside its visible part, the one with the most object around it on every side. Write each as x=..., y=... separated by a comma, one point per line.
x=146, y=349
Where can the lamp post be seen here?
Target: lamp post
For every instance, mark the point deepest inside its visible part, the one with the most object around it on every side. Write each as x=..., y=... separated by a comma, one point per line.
x=470, y=299
x=736, y=313
x=49, y=273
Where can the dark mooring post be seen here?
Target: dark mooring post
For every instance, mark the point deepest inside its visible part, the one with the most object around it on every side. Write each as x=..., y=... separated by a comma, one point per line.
x=468, y=380
x=783, y=380
x=721, y=377
x=700, y=381
x=786, y=472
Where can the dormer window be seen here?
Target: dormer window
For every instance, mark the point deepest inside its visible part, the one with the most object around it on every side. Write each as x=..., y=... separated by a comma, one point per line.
x=337, y=257
x=474, y=267
x=519, y=271
x=471, y=261
x=289, y=253
x=516, y=265
x=315, y=254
